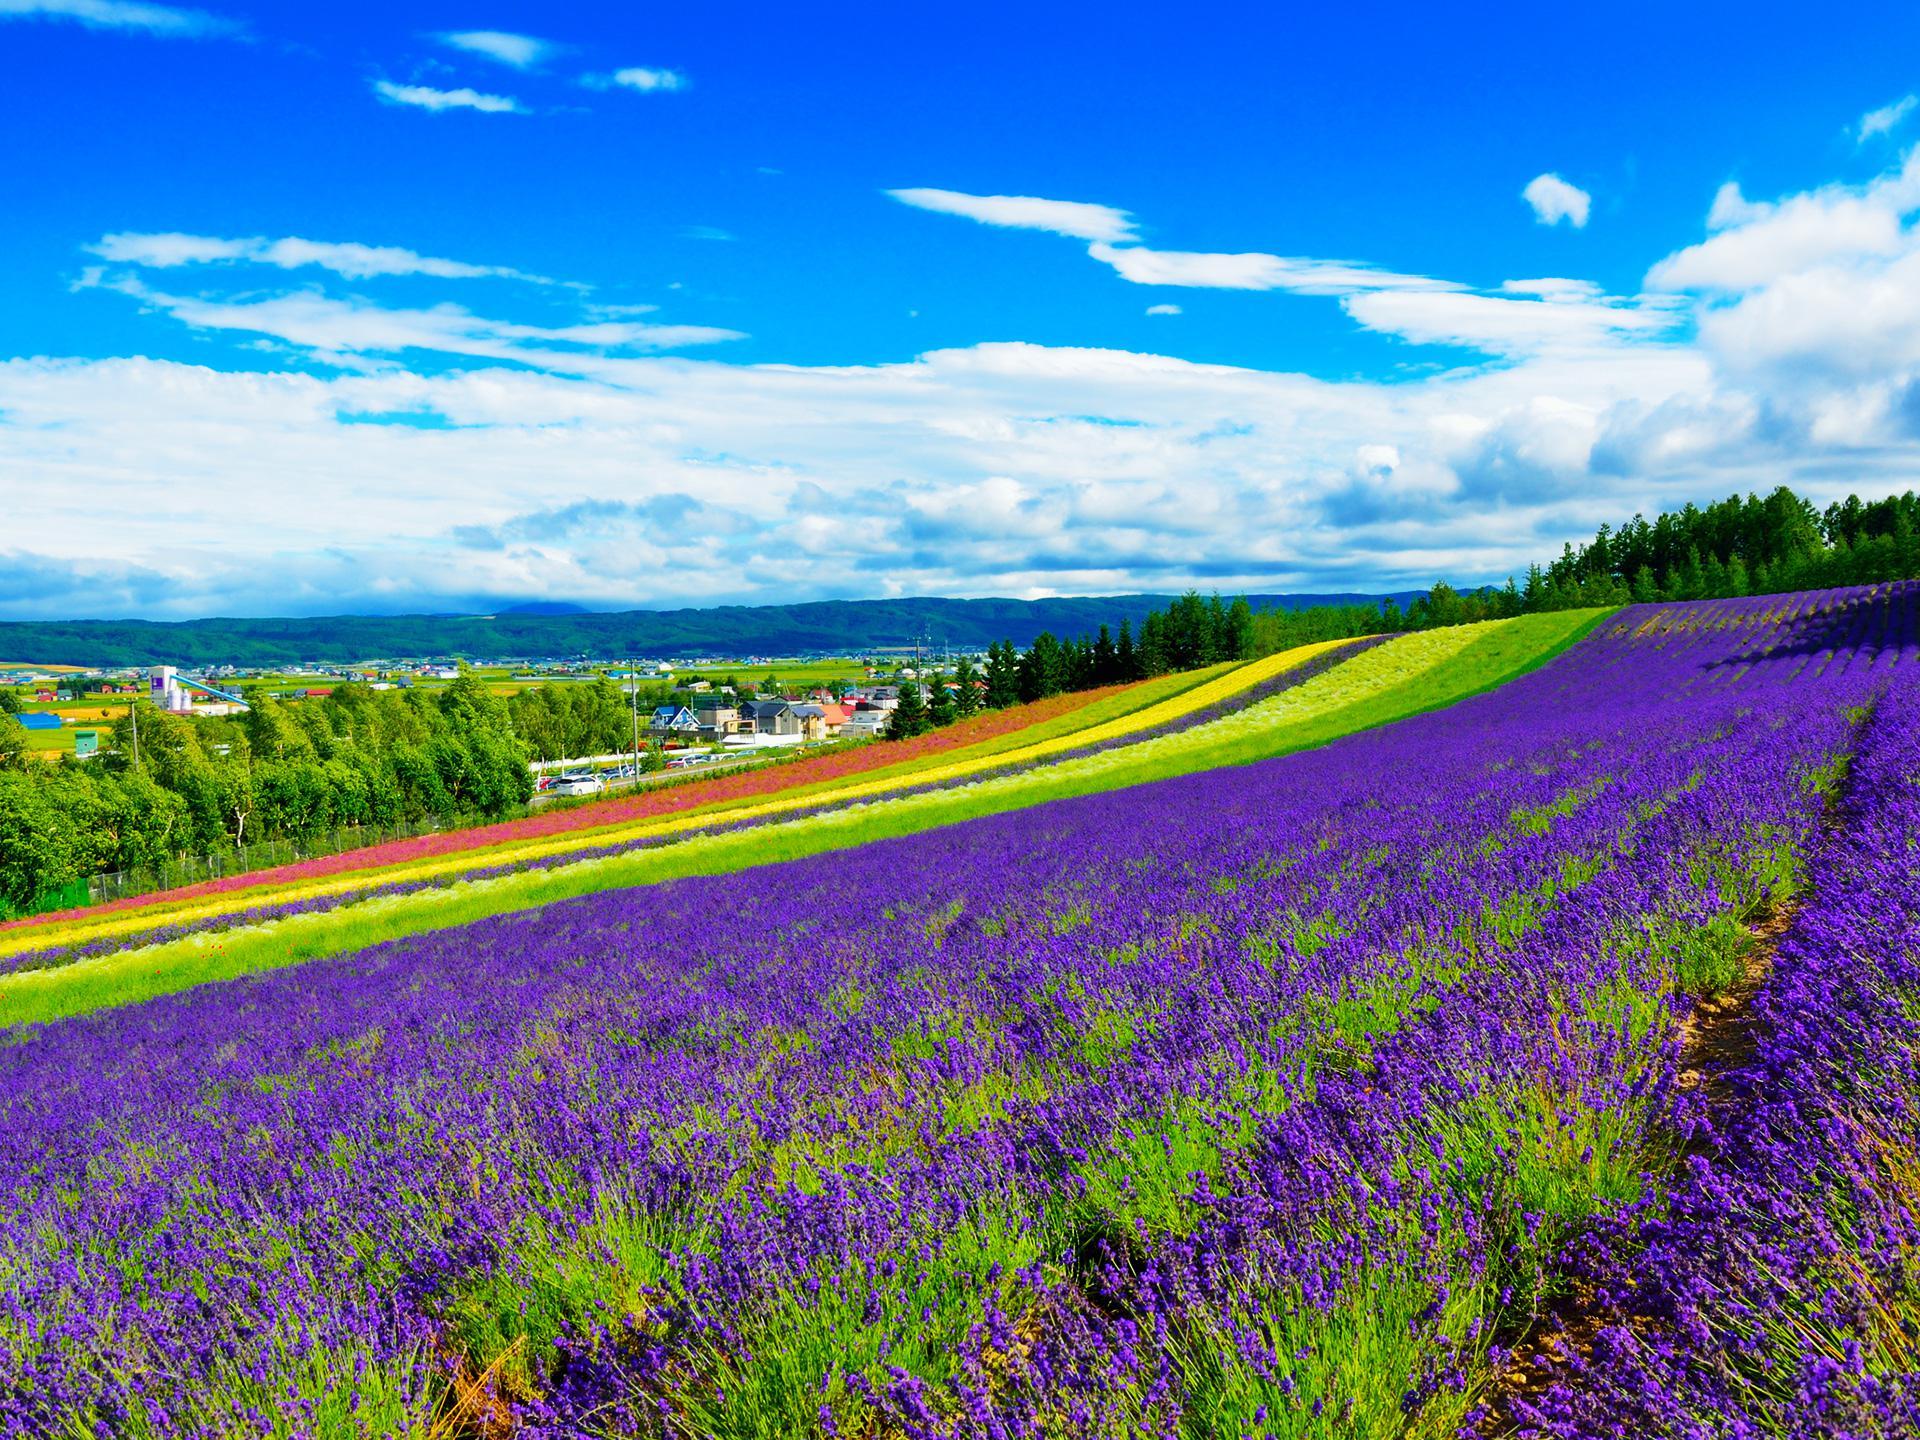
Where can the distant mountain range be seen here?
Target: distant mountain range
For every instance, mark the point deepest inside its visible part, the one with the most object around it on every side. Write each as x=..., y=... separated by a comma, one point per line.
x=555, y=630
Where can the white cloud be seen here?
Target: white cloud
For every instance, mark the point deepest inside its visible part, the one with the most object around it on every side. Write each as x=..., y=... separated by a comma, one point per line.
x=349, y=331
x=1163, y=310
x=425, y=97
x=1073, y=218
x=521, y=52
x=1808, y=307
x=1553, y=287
x=1254, y=271
x=638, y=77
x=347, y=258
x=586, y=465
x=1187, y=268
x=166, y=20
x=1503, y=326
x=1754, y=242
x=1112, y=233
x=1730, y=207
x=994, y=470
x=1554, y=200
x=1883, y=120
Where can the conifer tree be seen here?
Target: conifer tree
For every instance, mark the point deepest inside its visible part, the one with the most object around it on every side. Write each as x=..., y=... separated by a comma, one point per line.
x=909, y=717
x=1126, y=659
x=1737, y=581
x=1239, y=630
x=966, y=698
x=1105, y=670
x=941, y=711
x=1003, y=680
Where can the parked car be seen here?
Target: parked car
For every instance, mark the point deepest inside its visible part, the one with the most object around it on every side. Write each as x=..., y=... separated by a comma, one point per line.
x=577, y=785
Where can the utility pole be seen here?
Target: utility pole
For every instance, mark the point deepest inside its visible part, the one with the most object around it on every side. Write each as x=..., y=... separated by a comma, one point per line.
x=133, y=714
x=633, y=700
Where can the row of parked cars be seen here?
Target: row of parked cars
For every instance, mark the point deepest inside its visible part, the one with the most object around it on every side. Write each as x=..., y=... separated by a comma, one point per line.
x=593, y=782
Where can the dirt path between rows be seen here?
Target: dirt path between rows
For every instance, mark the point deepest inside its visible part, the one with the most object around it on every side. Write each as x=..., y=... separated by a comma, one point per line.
x=1717, y=1041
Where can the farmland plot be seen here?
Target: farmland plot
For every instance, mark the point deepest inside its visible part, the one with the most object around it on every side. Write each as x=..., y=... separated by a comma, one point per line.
x=1276, y=1100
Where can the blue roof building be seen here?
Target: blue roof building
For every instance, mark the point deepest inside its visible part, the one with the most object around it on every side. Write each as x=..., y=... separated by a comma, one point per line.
x=673, y=717
x=34, y=720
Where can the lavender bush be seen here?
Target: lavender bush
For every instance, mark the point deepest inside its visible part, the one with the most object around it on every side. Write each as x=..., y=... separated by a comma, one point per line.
x=1269, y=1101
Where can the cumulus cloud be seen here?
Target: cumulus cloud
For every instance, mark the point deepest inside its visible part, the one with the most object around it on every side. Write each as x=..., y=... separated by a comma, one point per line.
x=995, y=469
x=1554, y=200
x=165, y=20
x=1885, y=119
x=584, y=464
x=425, y=97
x=350, y=259
x=521, y=52
x=638, y=77
x=1730, y=207
x=1163, y=310
x=1753, y=243
x=1808, y=307
x=1073, y=218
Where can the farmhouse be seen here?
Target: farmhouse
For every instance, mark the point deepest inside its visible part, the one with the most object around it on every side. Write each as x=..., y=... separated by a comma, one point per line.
x=817, y=722
x=716, y=718
x=771, y=717
x=673, y=720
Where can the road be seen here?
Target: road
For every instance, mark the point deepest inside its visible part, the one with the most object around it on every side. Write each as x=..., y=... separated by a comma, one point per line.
x=633, y=782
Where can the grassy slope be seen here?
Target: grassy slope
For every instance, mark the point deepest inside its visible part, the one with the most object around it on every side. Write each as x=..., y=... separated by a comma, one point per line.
x=1405, y=677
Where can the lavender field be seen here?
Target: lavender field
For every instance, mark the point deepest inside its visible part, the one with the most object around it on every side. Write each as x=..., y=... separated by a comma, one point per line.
x=1544, y=1064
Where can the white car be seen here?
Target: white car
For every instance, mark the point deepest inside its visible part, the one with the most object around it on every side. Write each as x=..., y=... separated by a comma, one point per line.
x=577, y=785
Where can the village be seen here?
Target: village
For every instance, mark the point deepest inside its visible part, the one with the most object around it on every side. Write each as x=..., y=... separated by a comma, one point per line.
x=691, y=710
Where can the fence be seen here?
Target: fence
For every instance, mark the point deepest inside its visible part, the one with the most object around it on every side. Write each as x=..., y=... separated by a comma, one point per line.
x=66, y=897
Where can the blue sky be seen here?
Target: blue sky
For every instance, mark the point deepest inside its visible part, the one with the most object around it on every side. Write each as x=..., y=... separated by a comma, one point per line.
x=314, y=309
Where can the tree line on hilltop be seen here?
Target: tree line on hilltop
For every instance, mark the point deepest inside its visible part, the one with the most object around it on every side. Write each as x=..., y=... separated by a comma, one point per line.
x=166, y=785
x=1737, y=546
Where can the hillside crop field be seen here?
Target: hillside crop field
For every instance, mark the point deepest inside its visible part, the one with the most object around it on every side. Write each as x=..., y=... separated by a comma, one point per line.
x=559, y=835
x=87, y=960
x=1504, y=1029
x=693, y=793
